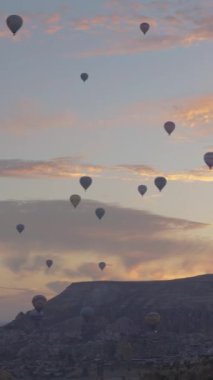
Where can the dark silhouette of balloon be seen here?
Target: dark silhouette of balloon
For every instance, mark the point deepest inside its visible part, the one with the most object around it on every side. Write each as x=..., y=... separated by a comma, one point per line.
x=14, y=23
x=160, y=182
x=39, y=302
x=152, y=320
x=144, y=27
x=49, y=263
x=85, y=182
x=169, y=126
x=20, y=228
x=87, y=313
x=142, y=189
x=208, y=158
x=75, y=199
x=100, y=212
x=102, y=265
x=84, y=77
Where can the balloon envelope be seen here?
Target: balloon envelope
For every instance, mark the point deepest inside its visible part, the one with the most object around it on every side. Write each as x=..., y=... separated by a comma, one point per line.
x=84, y=77
x=100, y=212
x=14, y=23
x=102, y=265
x=160, y=182
x=142, y=189
x=75, y=199
x=39, y=302
x=144, y=27
x=208, y=158
x=152, y=319
x=169, y=127
x=85, y=182
x=20, y=228
x=49, y=263
x=87, y=313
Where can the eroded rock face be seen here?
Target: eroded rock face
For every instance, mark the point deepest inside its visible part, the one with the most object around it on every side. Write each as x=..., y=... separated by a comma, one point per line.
x=56, y=347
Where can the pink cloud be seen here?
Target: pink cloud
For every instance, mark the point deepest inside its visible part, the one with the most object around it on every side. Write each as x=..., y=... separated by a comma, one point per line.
x=54, y=18
x=198, y=175
x=113, y=22
x=178, y=25
x=65, y=167
x=53, y=29
x=196, y=113
x=52, y=25
x=193, y=115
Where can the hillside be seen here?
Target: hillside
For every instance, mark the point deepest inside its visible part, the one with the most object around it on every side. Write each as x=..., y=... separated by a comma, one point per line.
x=185, y=330
x=185, y=305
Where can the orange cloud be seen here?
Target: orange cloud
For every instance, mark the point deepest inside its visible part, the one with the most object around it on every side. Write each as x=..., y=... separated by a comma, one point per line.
x=65, y=167
x=115, y=22
x=53, y=29
x=196, y=113
x=199, y=175
x=187, y=25
x=54, y=18
x=52, y=23
x=193, y=115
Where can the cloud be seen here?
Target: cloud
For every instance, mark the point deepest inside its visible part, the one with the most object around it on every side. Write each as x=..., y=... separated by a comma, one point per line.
x=136, y=245
x=125, y=238
x=53, y=19
x=196, y=113
x=144, y=170
x=92, y=271
x=62, y=167
x=71, y=167
x=199, y=175
x=52, y=23
x=115, y=28
x=171, y=26
x=193, y=116
x=53, y=29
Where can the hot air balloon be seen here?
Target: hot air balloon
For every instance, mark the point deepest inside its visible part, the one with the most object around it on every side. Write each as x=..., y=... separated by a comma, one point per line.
x=14, y=23
x=102, y=265
x=87, y=313
x=20, y=228
x=84, y=77
x=100, y=212
x=208, y=158
x=152, y=320
x=169, y=127
x=75, y=199
x=142, y=189
x=144, y=27
x=160, y=182
x=49, y=263
x=85, y=182
x=39, y=302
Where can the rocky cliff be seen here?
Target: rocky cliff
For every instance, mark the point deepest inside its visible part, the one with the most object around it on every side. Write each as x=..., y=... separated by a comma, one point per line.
x=185, y=329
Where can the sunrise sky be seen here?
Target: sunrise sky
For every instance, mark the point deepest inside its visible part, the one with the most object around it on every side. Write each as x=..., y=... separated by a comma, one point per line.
x=54, y=128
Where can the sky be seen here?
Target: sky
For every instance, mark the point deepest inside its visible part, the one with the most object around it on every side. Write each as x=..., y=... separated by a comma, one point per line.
x=55, y=128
